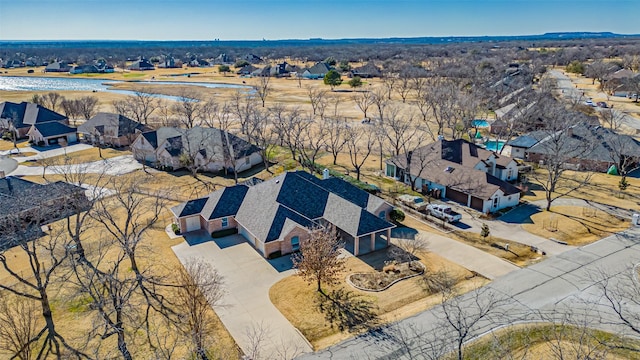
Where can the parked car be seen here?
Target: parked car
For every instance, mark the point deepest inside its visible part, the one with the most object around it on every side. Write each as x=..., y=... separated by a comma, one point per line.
x=602, y=104
x=414, y=202
x=443, y=212
x=589, y=103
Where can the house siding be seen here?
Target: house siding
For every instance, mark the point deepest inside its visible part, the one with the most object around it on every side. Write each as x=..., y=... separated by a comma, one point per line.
x=216, y=224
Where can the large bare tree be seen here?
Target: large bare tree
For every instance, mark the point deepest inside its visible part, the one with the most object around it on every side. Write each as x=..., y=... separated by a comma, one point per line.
x=189, y=110
x=319, y=259
x=360, y=141
x=138, y=106
x=263, y=88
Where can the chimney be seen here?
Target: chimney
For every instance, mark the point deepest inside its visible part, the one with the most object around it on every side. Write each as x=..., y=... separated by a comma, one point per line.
x=325, y=174
x=570, y=132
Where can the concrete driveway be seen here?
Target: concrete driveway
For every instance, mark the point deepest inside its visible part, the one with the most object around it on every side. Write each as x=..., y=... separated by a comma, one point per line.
x=118, y=165
x=246, y=310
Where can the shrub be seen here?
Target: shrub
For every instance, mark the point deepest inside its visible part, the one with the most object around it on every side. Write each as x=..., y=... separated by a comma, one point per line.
x=396, y=215
x=175, y=228
x=223, y=233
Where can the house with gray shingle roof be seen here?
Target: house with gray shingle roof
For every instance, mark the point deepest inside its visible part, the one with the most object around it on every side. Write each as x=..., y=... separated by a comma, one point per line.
x=276, y=215
x=211, y=149
x=19, y=118
x=110, y=129
x=588, y=147
x=51, y=133
x=460, y=171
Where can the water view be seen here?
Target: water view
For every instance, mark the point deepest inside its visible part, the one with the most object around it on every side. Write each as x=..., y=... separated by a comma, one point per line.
x=35, y=83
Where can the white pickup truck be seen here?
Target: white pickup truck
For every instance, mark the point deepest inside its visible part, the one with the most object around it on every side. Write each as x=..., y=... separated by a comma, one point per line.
x=443, y=212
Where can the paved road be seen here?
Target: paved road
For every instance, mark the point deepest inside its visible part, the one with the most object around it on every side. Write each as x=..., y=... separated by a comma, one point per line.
x=118, y=165
x=551, y=286
x=572, y=93
x=246, y=310
x=467, y=256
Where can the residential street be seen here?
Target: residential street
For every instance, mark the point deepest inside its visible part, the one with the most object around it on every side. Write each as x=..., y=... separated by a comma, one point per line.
x=560, y=282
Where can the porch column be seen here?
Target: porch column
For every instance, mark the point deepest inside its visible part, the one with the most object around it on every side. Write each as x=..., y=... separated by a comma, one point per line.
x=373, y=241
x=356, y=245
x=468, y=200
x=388, y=237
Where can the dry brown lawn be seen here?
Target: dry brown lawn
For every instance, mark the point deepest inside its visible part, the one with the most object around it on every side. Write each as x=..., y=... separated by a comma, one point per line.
x=8, y=145
x=70, y=313
x=602, y=188
x=296, y=299
x=575, y=225
x=83, y=156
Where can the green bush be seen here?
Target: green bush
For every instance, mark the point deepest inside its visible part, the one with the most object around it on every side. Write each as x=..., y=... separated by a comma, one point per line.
x=175, y=228
x=576, y=67
x=223, y=233
x=396, y=215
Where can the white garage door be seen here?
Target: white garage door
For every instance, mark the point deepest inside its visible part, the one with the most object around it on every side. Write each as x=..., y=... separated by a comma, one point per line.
x=193, y=223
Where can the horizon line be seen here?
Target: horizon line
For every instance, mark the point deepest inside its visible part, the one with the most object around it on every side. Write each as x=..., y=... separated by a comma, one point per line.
x=329, y=39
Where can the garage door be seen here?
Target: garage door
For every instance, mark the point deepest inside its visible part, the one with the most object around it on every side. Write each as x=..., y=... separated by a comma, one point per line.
x=476, y=203
x=457, y=196
x=193, y=223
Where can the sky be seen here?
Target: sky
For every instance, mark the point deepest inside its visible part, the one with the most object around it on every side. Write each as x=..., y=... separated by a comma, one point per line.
x=303, y=19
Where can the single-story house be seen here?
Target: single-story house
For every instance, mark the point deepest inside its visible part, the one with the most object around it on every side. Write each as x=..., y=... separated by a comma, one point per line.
x=141, y=65
x=19, y=118
x=51, y=133
x=368, y=70
x=317, y=71
x=110, y=129
x=246, y=70
x=522, y=143
x=12, y=64
x=587, y=147
x=96, y=68
x=460, y=171
x=275, y=216
x=211, y=149
x=25, y=205
x=58, y=66
x=619, y=82
x=252, y=58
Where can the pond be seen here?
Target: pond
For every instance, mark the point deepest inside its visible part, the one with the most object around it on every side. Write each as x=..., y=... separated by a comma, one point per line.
x=35, y=83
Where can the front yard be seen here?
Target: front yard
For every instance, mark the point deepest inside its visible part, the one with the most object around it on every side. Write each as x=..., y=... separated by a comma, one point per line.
x=344, y=310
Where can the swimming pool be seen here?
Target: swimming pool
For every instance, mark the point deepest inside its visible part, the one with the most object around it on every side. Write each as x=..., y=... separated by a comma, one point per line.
x=480, y=123
x=494, y=145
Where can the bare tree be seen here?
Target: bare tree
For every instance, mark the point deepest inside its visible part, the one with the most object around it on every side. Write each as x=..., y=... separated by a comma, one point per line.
x=200, y=287
x=189, y=110
x=263, y=135
x=290, y=127
x=318, y=99
x=463, y=315
x=243, y=105
x=389, y=81
x=19, y=319
x=598, y=70
x=319, y=258
x=263, y=88
x=138, y=106
x=87, y=106
x=364, y=100
x=313, y=141
x=407, y=250
x=335, y=136
x=360, y=142
x=558, y=152
x=52, y=100
x=403, y=86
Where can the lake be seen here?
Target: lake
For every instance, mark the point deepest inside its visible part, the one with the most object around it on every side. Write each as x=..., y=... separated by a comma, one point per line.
x=36, y=83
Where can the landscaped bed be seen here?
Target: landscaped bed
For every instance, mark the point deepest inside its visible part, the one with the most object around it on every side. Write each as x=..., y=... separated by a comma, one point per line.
x=390, y=274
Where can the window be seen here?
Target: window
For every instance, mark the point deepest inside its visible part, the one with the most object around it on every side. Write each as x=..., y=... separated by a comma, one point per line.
x=495, y=202
x=225, y=222
x=295, y=243
x=391, y=170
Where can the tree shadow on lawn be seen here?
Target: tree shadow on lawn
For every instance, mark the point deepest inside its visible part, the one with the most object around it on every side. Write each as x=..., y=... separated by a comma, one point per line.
x=347, y=310
x=404, y=232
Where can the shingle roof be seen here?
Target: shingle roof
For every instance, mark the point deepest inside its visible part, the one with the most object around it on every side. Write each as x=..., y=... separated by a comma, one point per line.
x=27, y=114
x=54, y=128
x=528, y=140
x=117, y=125
x=211, y=140
x=460, y=158
x=272, y=208
x=589, y=142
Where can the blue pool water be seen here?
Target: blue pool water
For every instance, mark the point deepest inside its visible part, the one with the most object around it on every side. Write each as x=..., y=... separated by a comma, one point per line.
x=494, y=145
x=480, y=123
